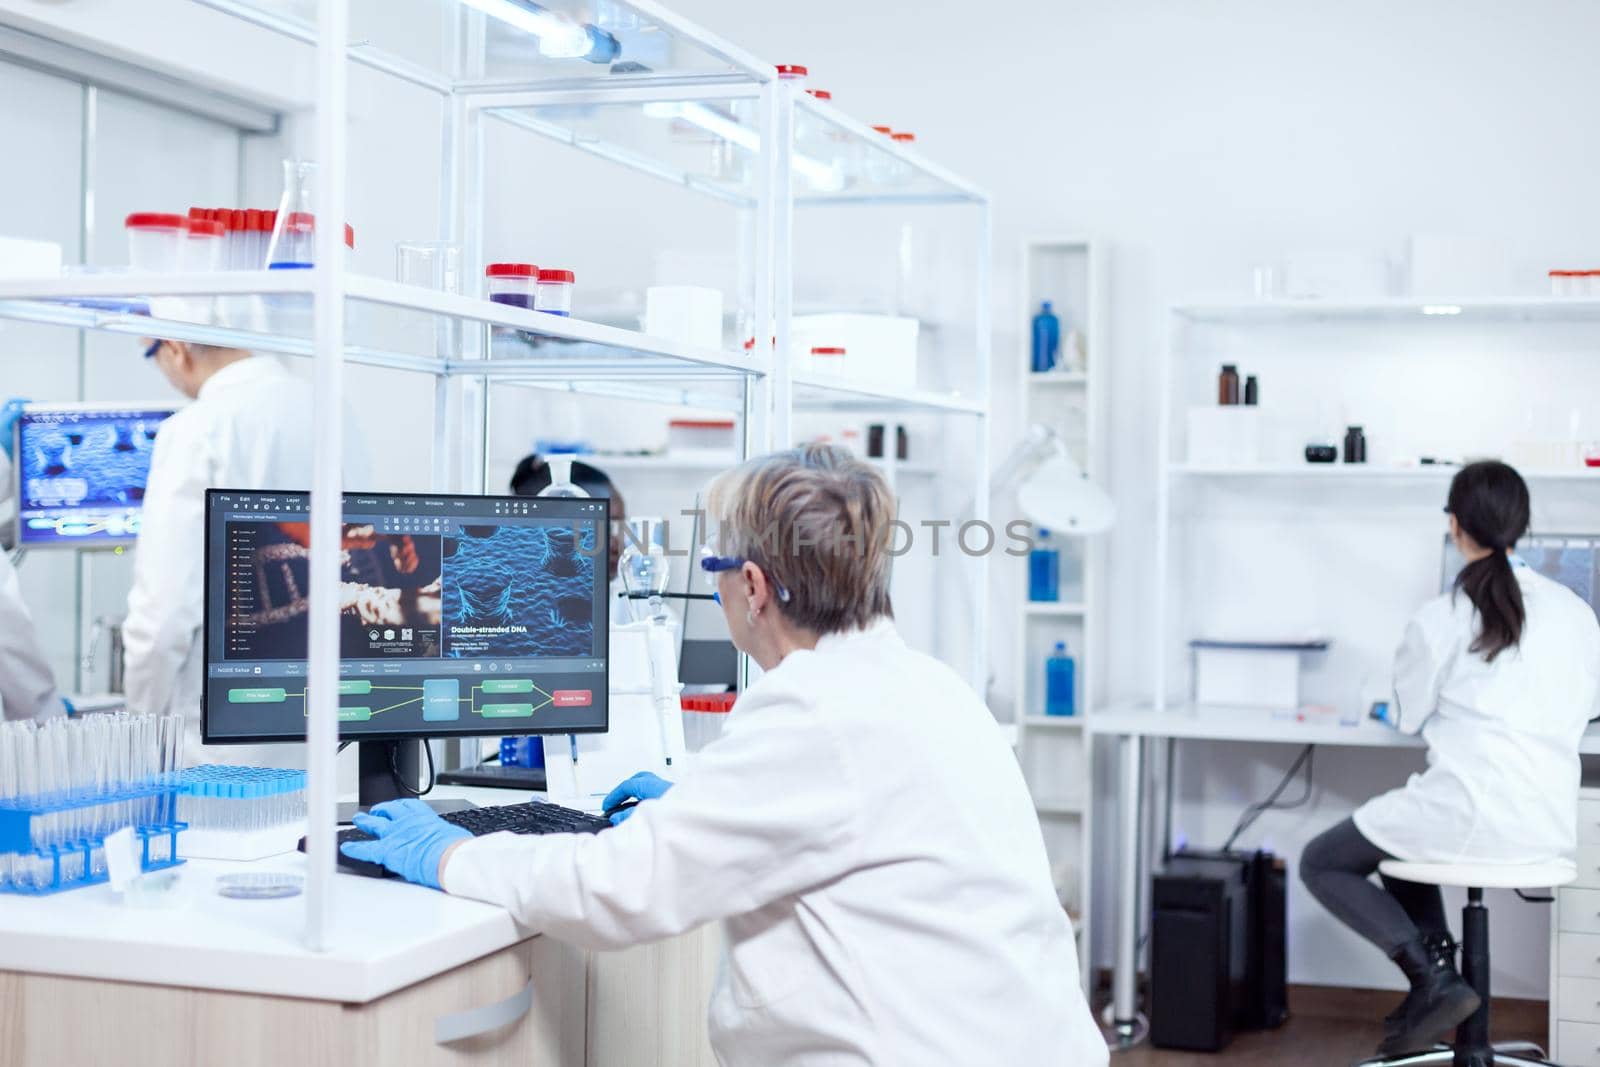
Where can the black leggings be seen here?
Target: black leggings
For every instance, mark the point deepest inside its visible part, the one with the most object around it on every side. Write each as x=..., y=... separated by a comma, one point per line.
x=1337, y=868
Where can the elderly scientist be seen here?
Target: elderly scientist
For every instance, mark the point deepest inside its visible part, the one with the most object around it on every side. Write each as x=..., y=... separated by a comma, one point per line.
x=861, y=828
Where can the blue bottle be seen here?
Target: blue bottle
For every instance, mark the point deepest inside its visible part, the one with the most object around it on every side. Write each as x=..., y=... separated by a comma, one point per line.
x=1046, y=339
x=1044, y=570
x=1060, y=671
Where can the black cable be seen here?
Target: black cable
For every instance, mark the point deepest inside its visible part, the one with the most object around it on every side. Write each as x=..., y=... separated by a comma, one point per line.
x=399, y=779
x=1306, y=759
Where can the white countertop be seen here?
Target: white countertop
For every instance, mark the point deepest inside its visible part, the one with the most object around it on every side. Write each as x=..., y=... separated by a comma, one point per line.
x=1261, y=725
x=386, y=934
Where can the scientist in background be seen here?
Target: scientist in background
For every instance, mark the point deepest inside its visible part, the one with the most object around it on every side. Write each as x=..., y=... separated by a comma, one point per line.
x=1500, y=677
x=861, y=829
x=532, y=477
x=249, y=427
x=27, y=686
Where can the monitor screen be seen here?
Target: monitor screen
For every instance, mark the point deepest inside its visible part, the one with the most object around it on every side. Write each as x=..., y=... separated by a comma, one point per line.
x=81, y=471
x=1570, y=559
x=460, y=615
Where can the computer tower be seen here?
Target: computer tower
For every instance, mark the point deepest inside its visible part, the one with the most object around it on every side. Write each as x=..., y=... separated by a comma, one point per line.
x=1197, y=953
x=1217, y=949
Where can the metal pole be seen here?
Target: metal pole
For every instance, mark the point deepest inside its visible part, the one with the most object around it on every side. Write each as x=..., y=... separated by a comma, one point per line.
x=981, y=346
x=322, y=733
x=776, y=153
x=1125, y=977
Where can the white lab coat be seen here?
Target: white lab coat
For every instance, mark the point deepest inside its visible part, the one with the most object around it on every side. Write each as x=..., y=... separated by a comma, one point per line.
x=1502, y=778
x=249, y=428
x=863, y=832
x=27, y=688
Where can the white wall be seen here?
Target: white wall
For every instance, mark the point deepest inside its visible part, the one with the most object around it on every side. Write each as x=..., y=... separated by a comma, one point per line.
x=1196, y=140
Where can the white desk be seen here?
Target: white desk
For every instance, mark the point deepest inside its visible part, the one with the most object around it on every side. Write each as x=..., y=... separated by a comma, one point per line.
x=87, y=979
x=1132, y=724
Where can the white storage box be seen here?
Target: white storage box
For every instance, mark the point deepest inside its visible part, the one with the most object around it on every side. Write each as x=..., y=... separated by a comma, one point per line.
x=1250, y=674
x=21, y=258
x=689, y=314
x=1225, y=435
x=882, y=348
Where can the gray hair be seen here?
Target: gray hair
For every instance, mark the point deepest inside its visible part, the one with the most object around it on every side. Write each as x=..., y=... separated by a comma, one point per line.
x=818, y=522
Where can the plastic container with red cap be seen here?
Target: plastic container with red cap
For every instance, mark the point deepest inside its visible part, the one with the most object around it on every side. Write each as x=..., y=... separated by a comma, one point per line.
x=701, y=435
x=204, y=245
x=555, y=291
x=513, y=284
x=820, y=94
x=901, y=137
x=828, y=361
x=792, y=74
x=704, y=716
x=155, y=241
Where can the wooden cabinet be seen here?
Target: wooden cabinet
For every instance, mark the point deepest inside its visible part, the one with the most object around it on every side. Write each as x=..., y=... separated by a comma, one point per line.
x=47, y=1020
x=539, y=1003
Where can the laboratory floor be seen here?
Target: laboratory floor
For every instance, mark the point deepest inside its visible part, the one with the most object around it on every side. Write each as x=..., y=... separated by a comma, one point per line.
x=1328, y=1028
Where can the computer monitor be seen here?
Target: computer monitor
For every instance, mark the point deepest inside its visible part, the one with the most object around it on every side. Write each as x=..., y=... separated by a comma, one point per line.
x=1570, y=559
x=461, y=616
x=80, y=472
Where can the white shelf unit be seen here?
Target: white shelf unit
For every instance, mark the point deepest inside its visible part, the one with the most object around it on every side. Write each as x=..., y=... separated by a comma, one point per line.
x=1397, y=330
x=1056, y=753
x=488, y=69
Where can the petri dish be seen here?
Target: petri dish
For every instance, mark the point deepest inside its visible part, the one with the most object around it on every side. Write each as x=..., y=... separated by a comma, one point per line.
x=260, y=886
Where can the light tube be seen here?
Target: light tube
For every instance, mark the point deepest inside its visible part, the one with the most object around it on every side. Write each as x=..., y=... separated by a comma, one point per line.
x=1441, y=309
x=559, y=37
x=821, y=175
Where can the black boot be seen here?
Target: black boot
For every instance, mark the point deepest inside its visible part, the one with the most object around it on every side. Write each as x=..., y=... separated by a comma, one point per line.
x=1439, y=1001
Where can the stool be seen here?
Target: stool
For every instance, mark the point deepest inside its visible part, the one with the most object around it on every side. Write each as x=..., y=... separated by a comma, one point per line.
x=1471, y=1047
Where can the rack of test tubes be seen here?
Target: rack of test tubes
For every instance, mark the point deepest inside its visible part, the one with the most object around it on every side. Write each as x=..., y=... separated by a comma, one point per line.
x=67, y=784
x=240, y=813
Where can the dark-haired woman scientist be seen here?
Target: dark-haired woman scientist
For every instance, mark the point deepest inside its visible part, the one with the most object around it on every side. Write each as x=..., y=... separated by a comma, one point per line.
x=1500, y=677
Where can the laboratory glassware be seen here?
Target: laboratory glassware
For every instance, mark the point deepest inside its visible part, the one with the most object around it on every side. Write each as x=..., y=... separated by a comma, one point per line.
x=429, y=265
x=1355, y=445
x=293, y=243
x=1252, y=392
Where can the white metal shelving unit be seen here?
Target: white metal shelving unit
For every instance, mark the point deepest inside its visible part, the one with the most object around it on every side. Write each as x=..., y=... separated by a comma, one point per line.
x=1131, y=724
x=486, y=69
x=1056, y=752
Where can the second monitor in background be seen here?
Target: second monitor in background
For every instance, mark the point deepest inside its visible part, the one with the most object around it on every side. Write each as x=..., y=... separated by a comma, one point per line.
x=459, y=616
x=80, y=472
x=1570, y=559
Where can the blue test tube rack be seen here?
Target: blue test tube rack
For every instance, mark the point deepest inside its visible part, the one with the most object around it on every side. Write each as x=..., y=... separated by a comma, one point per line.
x=39, y=856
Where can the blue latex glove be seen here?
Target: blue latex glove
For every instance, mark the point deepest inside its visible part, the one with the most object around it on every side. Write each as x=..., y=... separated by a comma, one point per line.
x=411, y=840
x=9, y=413
x=642, y=786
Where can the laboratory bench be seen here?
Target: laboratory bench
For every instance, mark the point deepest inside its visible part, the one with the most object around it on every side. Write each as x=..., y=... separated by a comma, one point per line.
x=412, y=976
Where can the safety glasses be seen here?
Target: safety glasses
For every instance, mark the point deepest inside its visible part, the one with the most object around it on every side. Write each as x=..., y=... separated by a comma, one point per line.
x=714, y=565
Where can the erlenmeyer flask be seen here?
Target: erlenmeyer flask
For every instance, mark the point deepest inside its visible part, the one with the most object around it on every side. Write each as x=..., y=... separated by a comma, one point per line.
x=293, y=245
x=561, y=484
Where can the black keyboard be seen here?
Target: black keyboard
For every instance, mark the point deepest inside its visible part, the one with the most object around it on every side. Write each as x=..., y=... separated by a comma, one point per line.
x=536, y=818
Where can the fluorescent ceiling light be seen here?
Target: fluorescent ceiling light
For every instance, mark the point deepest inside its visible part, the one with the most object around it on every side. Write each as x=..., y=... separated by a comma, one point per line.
x=822, y=176
x=559, y=37
x=1441, y=309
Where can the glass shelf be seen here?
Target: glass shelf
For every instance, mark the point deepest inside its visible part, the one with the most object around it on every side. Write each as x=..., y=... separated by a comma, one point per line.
x=387, y=325
x=519, y=42
x=1508, y=309
x=1365, y=472
x=708, y=139
x=822, y=393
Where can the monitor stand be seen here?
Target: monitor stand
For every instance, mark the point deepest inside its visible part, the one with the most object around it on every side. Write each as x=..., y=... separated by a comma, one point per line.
x=379, y=762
